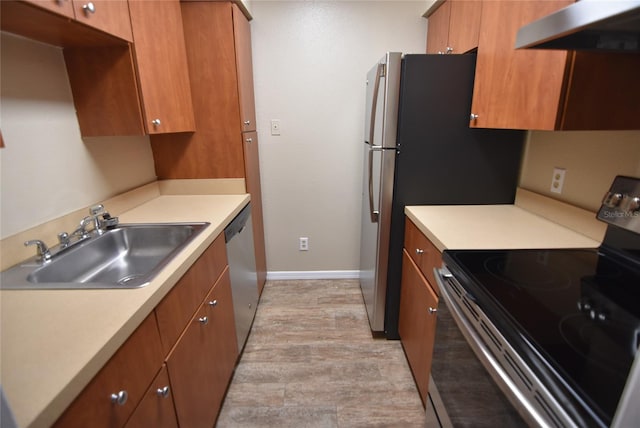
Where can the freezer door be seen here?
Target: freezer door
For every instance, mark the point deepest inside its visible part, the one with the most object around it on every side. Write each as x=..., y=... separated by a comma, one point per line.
x=374, y=245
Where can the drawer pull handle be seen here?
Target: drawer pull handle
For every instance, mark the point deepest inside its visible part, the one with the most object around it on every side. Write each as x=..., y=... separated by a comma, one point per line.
x=419, y=251
x=213, y=303
x=203, y=320
x=432, y=310
x=89, y=8
x=156, y=122
x=120, y=398
x=247, y=122
x=163, y=392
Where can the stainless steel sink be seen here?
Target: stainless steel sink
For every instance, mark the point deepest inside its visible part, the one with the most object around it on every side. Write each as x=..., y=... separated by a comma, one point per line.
x=128, y=256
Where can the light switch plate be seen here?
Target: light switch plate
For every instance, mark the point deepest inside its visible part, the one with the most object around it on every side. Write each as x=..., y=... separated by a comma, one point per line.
x=275, y=126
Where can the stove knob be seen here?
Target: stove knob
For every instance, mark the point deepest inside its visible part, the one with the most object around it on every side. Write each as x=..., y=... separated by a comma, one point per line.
x=597, y=316
x=612, y=199
x=584, y=305
x=634, y=204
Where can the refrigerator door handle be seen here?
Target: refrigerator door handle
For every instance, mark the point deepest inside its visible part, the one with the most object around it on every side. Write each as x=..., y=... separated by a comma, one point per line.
x=374, y=102
x=373, y=212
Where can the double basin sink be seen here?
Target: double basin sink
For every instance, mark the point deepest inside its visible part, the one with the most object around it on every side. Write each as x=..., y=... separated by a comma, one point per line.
x=127, y=256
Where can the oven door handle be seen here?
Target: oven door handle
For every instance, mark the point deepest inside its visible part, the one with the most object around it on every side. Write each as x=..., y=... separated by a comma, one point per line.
x=484, y=354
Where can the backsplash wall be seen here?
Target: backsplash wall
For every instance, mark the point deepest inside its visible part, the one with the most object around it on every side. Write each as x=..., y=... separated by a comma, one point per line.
x=591, y=159
x=47, y=169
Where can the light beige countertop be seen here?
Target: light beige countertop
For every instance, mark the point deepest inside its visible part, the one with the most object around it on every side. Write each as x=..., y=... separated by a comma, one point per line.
x=492, y=227
x=54, y=341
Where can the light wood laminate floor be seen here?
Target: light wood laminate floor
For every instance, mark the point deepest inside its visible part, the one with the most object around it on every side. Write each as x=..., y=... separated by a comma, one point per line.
x=310, y=361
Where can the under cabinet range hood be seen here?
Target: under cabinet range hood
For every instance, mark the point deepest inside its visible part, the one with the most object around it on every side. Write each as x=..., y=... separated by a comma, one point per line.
x=601, y=25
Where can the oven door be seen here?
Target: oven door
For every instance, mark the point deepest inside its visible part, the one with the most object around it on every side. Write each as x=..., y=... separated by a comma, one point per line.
x=480, y=380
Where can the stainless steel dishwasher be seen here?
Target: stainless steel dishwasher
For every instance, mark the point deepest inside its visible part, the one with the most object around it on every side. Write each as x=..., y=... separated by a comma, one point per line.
x=238, y=236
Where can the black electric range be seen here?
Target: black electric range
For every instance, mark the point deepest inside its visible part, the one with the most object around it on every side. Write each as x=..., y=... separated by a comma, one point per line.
x=571, y=315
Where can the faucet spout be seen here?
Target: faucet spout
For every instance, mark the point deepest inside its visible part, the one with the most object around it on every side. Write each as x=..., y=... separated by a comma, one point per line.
x=42, y=250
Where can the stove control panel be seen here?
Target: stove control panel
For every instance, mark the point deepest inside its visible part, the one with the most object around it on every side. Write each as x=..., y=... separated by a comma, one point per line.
x=621, y=204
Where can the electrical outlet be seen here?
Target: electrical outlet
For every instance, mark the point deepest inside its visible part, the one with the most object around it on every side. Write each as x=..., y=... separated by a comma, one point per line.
x=275, y=126
x=557, y=180
x=303, y=244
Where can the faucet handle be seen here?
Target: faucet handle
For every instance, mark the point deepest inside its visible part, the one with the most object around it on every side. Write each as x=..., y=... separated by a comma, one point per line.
x=63, y=239
x=42, y=249
x=96, y=210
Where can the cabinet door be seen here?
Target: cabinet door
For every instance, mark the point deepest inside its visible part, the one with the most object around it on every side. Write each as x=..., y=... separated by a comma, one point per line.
x=464, y=25
x=61, y=7
x=156, y=408
x=162, y=65
x=201, y=364
x=244, y=68
x=179, y=305
x=417, y=322
x=113, y=394
x=438, y=29
x=252, y=179
x=109, y=105
x=110, y=16
x=214, y=150
x=516, y=89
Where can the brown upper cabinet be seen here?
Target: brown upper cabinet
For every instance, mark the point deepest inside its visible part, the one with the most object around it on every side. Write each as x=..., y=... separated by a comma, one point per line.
x=110, y=16
x=68, y=24
x=119, y=87
x=143, y=87
x=545, y=89
x=244, y=67
x=225, y=144
x=454, y=27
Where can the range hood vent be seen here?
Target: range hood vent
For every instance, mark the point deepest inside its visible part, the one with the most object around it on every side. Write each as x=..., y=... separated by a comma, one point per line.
x=600, y=25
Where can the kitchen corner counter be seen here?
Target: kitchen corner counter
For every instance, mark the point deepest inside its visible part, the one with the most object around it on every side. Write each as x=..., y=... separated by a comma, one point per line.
x=467, y=227
x=54, y=341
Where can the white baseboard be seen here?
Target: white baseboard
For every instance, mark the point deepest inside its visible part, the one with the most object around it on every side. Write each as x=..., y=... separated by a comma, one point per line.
x=313, y=274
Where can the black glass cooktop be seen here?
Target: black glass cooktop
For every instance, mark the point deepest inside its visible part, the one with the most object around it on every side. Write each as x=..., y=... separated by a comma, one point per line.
x=579, y=310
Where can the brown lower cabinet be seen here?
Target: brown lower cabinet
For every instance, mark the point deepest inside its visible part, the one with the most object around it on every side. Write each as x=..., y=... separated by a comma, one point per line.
x=202, y=362
x=418, y=305
x=148, y=383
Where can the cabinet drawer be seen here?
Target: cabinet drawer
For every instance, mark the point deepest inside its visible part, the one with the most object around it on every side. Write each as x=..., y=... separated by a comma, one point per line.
x=128, y=373
x=64, y=8
x=179, y=305
x=425, y=255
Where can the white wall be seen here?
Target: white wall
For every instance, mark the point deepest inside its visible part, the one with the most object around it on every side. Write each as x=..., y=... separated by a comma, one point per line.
x=310, y=60
x=47, y=169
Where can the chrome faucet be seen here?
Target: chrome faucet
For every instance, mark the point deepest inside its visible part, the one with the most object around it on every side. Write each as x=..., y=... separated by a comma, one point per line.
x=43, y=252
x=101, y=221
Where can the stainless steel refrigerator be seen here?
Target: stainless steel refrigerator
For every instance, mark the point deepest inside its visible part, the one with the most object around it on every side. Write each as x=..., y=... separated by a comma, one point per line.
x=420, y=150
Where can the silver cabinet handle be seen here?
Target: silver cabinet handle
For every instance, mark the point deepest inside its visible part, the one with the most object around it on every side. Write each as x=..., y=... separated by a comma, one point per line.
x=156, y=122
x=247, y=122
x=163, y=392
x=249, y=140
x=449, y=50
x=203, y=320
x=89, y=8
x=119, y=398
x=432, y=310
x=473, y=116
x=213, y=303
x=419, y=251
